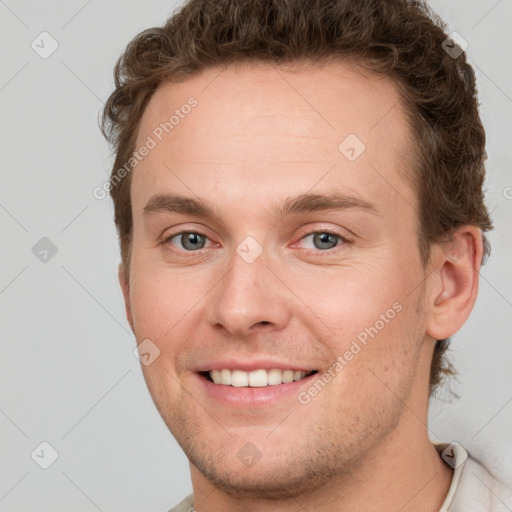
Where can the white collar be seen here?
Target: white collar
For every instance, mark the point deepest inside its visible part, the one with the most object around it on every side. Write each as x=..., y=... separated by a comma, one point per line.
x=455, y=456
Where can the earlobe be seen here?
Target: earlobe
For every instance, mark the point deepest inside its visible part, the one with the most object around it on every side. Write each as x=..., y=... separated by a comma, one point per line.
x=456, y=281
x=124, y=282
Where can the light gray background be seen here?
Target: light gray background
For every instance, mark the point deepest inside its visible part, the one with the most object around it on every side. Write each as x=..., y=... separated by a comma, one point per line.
x=67, y=369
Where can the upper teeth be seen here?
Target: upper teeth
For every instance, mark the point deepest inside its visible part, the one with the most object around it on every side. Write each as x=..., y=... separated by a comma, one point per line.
x=256, y=378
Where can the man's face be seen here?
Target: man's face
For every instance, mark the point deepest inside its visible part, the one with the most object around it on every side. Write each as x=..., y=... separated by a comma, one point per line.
x=270, y=281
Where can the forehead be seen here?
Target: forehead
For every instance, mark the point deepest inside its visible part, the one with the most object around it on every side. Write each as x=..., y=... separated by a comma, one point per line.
x=255, y=124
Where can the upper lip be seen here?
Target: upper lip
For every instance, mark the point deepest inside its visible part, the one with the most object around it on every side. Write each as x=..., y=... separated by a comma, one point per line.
x=249, y=366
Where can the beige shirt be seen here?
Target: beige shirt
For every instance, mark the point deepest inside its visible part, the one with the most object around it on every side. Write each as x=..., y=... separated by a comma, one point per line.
x=473, y=488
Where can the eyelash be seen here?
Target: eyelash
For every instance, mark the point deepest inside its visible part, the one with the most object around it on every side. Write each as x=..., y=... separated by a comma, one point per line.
x=317, y=252
x=326, y=252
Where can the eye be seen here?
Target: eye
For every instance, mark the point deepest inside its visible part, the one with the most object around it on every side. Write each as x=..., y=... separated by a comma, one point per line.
x=323, y=240
x=189, y=240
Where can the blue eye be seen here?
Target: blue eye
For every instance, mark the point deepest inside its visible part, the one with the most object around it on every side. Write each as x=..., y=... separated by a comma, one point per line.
x=189, y=240
x=317, y=241
x=324, y=240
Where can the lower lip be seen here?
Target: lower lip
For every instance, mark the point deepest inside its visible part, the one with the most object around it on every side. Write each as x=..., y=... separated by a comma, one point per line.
x=247, y=397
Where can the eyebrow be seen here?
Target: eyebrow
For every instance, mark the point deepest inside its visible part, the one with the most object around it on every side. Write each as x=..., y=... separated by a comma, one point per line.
x=303, y=203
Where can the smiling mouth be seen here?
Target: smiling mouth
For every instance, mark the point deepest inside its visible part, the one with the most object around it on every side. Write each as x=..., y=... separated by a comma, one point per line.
x=256, y=378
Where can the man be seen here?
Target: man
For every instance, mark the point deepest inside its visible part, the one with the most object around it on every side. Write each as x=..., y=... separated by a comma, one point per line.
x=298, y=194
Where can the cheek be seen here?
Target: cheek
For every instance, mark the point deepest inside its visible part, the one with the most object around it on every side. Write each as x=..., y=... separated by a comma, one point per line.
x=168, y=305
x=351, y=299
x=368, y=321
x=163, y=306
x=375, y=370
x=158, y=306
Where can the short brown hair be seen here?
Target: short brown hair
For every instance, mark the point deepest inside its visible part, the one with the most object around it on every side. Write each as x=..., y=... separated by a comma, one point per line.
x=401, y=39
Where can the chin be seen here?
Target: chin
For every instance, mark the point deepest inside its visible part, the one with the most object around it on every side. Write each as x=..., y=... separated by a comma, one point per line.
x=281, y=476
x=266, y=482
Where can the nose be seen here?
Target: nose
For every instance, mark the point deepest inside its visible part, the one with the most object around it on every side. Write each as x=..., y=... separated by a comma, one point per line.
x=249, y=297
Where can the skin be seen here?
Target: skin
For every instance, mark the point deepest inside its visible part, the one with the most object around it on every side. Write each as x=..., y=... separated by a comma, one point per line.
x=258, y=135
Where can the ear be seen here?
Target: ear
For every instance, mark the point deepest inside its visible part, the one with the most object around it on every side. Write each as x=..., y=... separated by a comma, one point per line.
x=125, y=287
x=454, y=281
